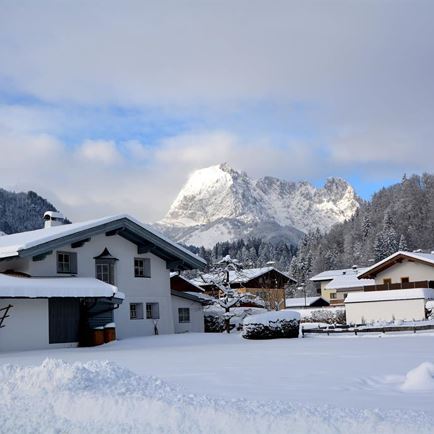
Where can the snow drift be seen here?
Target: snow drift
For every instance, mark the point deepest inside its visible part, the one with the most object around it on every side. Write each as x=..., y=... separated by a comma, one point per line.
x=100, y=396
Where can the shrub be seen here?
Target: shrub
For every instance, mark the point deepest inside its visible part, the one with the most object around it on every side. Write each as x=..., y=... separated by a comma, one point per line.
x=272, y=325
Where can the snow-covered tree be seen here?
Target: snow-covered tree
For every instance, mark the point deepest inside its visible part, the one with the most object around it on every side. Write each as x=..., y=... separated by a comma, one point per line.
x=403, y=244
x=220, y=277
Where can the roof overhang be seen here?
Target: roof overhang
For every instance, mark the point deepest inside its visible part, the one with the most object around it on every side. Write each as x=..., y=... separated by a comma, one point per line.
x=147, y=241
x=191, y=297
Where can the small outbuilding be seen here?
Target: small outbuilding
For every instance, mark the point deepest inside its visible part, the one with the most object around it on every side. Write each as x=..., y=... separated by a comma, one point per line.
x=303, y=302
x=400, y=304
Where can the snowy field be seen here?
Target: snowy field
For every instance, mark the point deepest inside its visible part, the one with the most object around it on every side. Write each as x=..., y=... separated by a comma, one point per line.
x=217, y=383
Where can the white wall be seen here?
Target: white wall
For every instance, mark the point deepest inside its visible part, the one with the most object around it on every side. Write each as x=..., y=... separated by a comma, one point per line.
x=27, y=326
x=406, y=310
x=196, y=323
x=137, y=290
x=414, y=270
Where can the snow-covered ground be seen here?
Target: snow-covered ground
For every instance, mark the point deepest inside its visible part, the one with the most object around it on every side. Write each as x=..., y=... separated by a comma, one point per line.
x=218, y=383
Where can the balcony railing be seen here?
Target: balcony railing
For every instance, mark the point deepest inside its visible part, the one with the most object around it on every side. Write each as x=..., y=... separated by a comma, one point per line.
x=403, y=285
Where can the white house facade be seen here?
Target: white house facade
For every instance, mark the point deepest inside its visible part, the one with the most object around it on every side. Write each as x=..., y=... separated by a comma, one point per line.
x=132, y=260
x=399, y=304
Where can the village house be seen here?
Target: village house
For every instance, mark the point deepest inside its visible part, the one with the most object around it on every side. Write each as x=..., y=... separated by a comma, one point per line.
x=57, y=281
x=267, y=283
x=402, y=284
x=335, y=285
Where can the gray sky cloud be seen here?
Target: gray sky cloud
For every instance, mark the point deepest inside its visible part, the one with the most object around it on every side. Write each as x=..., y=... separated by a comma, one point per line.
x=361, y=70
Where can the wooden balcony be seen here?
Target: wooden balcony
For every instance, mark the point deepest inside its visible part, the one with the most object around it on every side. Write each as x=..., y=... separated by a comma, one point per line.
x=404, y=285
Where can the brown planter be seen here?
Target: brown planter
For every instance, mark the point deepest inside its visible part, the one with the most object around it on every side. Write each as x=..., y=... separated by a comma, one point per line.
x=109, y=334
x=97, y=336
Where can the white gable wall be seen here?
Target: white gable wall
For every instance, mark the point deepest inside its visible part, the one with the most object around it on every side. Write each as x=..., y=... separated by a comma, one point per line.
x=196, y=324
x=405, y=310
x=416, y=271
x=137, y=290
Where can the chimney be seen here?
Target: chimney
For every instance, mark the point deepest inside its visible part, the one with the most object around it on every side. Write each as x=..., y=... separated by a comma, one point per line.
x=53, y=218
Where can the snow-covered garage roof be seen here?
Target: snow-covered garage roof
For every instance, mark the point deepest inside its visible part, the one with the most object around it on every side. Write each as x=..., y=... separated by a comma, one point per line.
x=391, y=295
x=39, y=241
x=35, y=287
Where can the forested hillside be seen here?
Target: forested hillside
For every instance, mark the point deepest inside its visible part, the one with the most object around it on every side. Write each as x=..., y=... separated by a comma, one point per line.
x=251, y=253
x=400, y=217
x=22, y=211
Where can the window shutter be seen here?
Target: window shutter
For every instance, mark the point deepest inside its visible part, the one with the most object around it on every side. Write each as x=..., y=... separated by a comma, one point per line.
x=147, y=267
x=73, y=259
x=156, y=313
x=59, y=270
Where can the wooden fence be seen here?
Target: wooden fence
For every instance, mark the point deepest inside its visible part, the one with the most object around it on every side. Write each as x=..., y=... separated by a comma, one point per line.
x=365, y=329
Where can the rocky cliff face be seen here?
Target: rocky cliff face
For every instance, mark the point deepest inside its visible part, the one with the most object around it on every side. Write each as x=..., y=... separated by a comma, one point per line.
x=219, y=203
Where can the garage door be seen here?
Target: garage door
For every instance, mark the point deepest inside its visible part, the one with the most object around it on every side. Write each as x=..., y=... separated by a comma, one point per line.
x=64, y=319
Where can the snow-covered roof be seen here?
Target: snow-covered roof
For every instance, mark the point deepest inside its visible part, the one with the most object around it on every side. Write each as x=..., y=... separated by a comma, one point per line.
x=331, y=274
x=189, y=281
x=193, y=296
x=240, y=276
x=300, y=301
x=46, y=287
x=424, y=257
x=12, y=245
x=389, y=295
x=345, y=281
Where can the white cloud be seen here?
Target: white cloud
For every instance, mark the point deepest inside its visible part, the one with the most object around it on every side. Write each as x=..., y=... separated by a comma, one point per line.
x=99, y=151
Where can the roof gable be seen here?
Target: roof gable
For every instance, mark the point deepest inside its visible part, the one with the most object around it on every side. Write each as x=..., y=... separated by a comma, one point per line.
x=147, y=239
x=396, y=258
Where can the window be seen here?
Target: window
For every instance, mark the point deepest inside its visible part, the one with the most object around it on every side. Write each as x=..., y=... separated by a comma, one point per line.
x=105, y=267
x=142, y=267
x=333, y=295
x=387, y=281
x=136, y=310
x=152, y=311
x=105, y=272
x=183, y=314
x=405, y=279
x=67, y=262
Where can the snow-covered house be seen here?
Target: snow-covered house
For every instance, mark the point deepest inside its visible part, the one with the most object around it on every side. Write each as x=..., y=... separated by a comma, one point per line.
x=402, y=270
x=110, y=269
x=188, y=301
x=335, y=285
x=268, y=283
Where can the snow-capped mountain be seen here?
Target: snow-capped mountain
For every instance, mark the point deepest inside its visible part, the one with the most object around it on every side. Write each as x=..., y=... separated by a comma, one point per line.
x=219, y=203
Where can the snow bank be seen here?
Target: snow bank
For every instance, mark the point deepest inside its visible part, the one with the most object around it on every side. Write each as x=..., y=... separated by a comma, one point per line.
x=420, y=378
x=100, y=396
x=329, y=315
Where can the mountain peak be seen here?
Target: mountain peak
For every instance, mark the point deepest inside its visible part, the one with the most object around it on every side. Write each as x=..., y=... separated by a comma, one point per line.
x=223, y=204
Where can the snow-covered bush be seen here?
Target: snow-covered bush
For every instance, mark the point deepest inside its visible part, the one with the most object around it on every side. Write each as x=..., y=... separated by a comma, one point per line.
x=429, y=308
x=214, y=322
x=215, y=317
x=271, y=325
x=328, y=315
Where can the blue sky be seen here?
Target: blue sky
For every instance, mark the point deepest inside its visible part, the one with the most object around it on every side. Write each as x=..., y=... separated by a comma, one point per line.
x=109, y=106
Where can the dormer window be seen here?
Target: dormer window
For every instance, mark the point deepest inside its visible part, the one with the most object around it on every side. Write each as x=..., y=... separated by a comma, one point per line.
x=105, y=267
